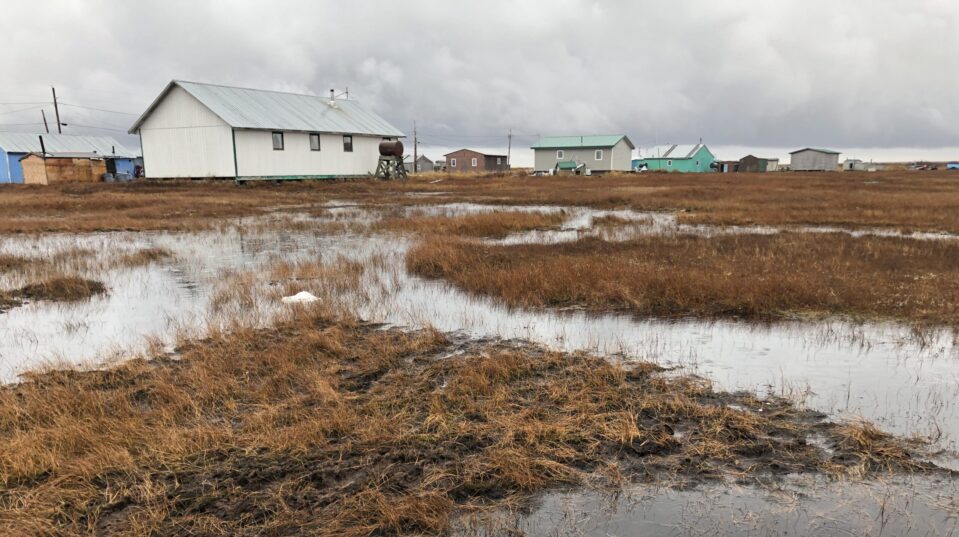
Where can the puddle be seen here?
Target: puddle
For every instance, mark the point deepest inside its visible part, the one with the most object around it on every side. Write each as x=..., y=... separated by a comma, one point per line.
x=802, y=507
x=883, y=372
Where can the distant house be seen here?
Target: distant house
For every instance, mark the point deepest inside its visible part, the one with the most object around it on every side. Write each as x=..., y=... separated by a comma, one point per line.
x=754, y=164
x=952, y=166
x=194, y=130
x=439, y=165
x=422, y=164
x=16, y=145
x=597, y=154
x=467, y=160
x=814, y=160
x=696, y=158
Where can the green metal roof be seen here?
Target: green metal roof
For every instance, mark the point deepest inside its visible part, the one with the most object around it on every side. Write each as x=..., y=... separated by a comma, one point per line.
x=573, y=142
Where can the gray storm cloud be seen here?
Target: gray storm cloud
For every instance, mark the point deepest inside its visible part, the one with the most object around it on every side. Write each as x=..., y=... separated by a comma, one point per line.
x=861, y=73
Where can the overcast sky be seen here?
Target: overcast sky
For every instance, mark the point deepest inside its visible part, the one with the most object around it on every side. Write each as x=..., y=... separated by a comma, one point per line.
x=737, y=73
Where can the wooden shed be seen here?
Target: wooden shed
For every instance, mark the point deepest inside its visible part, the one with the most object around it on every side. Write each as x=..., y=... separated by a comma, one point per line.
x=60, y=168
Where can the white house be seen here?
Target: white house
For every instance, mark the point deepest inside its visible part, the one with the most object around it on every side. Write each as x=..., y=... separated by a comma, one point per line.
x=197, y=130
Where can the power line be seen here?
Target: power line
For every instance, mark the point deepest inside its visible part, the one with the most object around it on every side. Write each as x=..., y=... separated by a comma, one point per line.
x=97, y=127
x=21, y=110
x=99, y=109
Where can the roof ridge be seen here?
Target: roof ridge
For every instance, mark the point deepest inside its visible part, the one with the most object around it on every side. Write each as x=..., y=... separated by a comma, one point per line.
x=254, y=89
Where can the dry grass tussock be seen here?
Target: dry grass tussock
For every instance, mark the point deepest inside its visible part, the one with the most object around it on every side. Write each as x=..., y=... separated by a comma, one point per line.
x=146, y=256
x=492, y=225
x=58, y=289
x=745, y=276
x=330, y=427
x=891, y=199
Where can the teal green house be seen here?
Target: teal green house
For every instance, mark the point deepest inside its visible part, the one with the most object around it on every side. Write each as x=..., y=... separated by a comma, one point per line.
x=676, y=158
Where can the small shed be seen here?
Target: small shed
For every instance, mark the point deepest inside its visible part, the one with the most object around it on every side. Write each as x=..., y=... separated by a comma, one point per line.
x=40, y=169
x=16, y=145
x=754, y=164
x=814, y=160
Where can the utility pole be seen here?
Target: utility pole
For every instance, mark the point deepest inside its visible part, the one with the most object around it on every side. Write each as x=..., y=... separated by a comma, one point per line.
x=56, y=109
x=509, y=147
x=416, y=143
x=45, y=126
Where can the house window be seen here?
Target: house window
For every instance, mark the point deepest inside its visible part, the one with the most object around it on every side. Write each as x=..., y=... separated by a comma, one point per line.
x=499, y=160
x=314, y=141
x=452, y=163
x=697, y=163
x=278, y=141
x=599, y=154
x=669, y=163
x=560, y=155
x=347, y=144
x=473, y=162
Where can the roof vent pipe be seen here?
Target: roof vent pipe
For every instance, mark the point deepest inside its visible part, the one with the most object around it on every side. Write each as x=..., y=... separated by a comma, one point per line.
x=332, y=96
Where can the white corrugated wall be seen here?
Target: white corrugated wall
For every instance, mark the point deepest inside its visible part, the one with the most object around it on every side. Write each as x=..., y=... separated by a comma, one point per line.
x=256, y=157
x=183, y=138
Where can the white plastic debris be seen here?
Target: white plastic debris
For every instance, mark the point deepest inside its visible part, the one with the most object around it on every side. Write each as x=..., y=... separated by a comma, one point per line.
x=303, y=297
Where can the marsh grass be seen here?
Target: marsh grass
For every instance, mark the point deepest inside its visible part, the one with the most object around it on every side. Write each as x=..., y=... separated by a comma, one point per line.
x=890, y=199
x=327, y=426
x=743, y=276
x=492, y=225
x=61, y=289
x=143, y=257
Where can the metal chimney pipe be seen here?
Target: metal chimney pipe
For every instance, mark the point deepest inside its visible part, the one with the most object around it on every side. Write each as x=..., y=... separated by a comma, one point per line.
x=332, y=95
x=43, y=148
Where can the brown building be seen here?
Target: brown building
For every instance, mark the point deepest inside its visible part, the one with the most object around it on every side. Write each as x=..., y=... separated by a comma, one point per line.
x=61, y=167
x=467, y=160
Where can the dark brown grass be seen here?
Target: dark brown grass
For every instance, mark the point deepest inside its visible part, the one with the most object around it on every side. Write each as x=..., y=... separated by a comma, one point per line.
x=326, y=427
x=61, y=289
x=746, y=276
x=492, y=225
x=926, y=201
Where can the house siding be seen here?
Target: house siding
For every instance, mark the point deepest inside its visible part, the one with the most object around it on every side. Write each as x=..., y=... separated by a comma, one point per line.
x=810, y=160
x=182, y=138
x=703, y=156
x=484, y=163
x=255, y=156
x=545, y=159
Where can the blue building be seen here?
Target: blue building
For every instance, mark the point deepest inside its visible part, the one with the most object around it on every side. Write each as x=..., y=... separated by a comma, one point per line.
x=16, y=145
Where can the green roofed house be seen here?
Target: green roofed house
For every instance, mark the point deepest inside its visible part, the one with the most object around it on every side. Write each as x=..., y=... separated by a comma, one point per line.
x=696, y=158
x=592, y=154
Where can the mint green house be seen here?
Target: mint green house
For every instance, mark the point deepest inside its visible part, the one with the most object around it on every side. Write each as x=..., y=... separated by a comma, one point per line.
x=676, y=158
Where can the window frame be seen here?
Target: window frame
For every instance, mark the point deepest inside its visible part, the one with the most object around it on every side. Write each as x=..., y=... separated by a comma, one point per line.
x=453, y=162
x=560, y=154
x=499, y=161
x=473, y=162
x=273, y=138
x=347, y=143
x=598, y=154
x=319, y=145
x=669, y=163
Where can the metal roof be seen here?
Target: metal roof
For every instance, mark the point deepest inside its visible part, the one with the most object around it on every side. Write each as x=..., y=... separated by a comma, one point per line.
x=677, y=152
x=827, y=151
x=66, y=155
x=244, y=108
x=574, y=142
x=26, y=142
